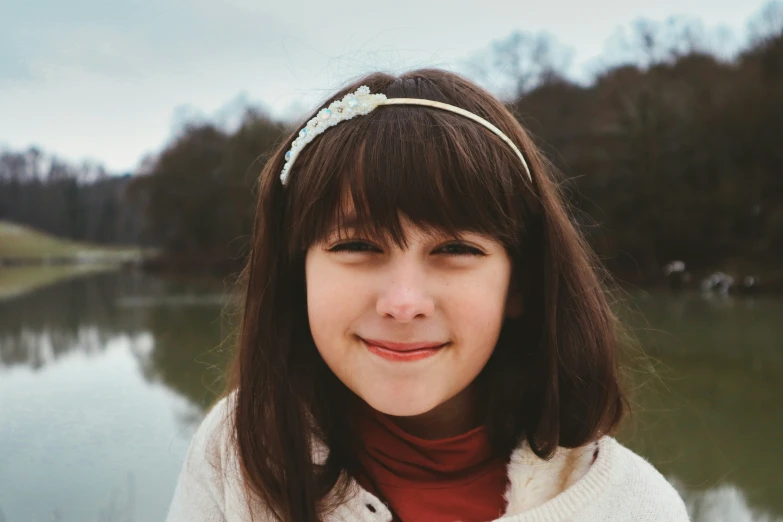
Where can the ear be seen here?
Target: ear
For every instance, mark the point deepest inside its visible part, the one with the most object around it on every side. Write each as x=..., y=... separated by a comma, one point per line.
x=515, y=306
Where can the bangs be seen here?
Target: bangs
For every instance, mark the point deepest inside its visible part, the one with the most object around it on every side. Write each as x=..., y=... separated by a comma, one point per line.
x=444, y=173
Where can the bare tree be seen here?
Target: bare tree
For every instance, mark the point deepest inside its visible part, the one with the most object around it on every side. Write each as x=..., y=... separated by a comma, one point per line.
x=520, y=62
x=649, y=42
x=767, y=24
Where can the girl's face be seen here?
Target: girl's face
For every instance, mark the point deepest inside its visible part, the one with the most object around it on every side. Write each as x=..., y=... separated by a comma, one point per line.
x=407, y=329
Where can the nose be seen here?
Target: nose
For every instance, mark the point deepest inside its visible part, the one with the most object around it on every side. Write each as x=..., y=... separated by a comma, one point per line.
x=404, y=295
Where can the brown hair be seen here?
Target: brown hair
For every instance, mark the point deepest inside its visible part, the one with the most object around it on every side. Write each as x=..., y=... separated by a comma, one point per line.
x=553, y=377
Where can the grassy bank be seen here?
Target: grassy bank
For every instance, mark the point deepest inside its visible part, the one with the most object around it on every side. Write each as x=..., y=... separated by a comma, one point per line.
x=21, y=245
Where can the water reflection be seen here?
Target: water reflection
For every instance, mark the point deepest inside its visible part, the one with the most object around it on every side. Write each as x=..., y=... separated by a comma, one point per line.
x=103, y=379
x=711, y=414
x=183, y=320
x=39, y=327
x=724, y=503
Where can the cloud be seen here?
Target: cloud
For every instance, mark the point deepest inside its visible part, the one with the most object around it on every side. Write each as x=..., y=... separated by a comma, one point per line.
x=133, y=39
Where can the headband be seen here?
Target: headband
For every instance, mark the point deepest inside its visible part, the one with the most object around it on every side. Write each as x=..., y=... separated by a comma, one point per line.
x=362, y=102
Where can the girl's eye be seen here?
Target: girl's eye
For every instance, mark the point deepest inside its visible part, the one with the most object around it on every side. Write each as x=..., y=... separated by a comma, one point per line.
x=354, y=246
x=460, y=249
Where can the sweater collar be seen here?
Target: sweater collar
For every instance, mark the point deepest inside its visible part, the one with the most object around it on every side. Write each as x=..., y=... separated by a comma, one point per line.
x=539, y=490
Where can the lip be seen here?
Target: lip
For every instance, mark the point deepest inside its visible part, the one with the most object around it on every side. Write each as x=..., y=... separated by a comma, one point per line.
x=402, y=347
x=402, y=351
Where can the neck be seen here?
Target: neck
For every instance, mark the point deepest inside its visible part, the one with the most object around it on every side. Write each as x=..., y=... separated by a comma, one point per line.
x=456, y=416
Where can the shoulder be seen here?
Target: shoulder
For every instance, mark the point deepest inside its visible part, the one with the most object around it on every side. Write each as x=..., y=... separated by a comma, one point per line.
x=210, y=442
x=642, y=488
x=599, y=481
x=201, y=491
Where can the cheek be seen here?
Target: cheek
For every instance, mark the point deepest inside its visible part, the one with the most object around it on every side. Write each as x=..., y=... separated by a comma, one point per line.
x=333, y=303
x=478, y=307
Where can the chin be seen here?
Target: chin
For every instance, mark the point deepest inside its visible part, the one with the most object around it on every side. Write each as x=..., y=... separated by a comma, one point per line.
x=400, y=405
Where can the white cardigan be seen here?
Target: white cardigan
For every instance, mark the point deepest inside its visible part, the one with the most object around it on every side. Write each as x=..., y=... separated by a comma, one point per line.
x=619, y=486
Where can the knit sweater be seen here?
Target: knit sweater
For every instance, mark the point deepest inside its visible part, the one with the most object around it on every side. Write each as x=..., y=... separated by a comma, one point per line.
x=618, y=485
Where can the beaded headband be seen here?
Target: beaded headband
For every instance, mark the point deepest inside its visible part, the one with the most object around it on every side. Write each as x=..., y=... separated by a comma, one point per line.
x=362, y=102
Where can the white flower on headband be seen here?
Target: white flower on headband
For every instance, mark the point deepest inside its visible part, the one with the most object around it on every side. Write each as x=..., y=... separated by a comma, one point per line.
x=358, y=103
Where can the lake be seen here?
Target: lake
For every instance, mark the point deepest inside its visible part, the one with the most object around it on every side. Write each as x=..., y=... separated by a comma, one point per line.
x=104, y=378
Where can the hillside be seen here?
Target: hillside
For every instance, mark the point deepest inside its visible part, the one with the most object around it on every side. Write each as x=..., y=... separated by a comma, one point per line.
x=23, y=245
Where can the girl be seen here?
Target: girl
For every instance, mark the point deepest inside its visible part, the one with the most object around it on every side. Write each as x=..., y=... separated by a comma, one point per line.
x=424, y=334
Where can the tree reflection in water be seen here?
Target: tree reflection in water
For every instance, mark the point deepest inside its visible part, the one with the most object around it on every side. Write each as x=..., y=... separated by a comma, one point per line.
x=183, y=320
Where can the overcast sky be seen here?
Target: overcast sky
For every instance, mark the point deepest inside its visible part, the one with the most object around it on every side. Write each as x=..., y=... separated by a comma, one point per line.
x=107, y=80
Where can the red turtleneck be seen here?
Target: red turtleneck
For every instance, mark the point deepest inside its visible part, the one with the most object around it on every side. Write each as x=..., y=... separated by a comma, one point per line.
x=443, y=480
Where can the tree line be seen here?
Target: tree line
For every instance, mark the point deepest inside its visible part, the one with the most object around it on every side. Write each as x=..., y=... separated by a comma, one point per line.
x=681, y=159
x=674, y=157
x=80, y=202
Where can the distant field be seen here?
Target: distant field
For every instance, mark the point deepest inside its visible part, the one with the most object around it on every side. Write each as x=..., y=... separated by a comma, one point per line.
x=23, y=244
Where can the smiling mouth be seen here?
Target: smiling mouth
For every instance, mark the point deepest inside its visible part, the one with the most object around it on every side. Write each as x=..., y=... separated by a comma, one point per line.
x=401, y=352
